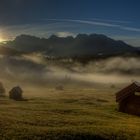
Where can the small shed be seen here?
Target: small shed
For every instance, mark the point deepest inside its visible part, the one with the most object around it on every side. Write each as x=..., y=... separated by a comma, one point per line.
x=16, y=93
x=129, y=99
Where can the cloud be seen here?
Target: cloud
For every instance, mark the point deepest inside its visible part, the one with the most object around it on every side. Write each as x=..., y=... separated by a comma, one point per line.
x=130, y=29
x=71, y=27
x=103, y=24
x=112, y=21
x=64, y=34
x=38, y=29
x=85, y=22
x=96, y=23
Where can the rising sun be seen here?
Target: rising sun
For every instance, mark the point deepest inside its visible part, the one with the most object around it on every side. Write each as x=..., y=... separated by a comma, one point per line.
x=2, y=39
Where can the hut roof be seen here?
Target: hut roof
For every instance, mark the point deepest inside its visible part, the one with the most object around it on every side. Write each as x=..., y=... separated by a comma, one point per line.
x=127, y=91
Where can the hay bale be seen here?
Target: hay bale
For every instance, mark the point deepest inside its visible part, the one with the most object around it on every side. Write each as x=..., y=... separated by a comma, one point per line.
x=16, y=93
x=2, y=89
x=59, y=87
x=112, y=86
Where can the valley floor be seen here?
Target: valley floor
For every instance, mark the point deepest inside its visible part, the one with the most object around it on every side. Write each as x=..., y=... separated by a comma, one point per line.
x=69, y=114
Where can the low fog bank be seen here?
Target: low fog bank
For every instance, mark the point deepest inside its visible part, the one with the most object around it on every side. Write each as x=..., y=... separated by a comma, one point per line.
x=35, y=69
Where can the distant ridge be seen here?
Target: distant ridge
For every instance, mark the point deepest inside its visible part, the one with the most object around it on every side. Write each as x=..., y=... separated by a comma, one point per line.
x=83, y=45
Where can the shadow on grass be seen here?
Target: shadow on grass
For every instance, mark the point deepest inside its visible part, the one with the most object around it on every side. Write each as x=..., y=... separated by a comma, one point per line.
x=63, y=136
x=80, y=137
x=22, y=99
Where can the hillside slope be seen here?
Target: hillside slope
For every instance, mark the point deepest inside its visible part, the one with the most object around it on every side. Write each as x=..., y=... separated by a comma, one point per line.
x=81, y=46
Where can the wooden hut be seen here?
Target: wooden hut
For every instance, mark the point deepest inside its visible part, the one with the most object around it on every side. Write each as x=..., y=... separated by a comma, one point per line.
x=129, y=99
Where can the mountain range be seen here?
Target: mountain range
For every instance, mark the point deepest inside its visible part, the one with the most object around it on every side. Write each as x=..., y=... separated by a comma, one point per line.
x=82, y=46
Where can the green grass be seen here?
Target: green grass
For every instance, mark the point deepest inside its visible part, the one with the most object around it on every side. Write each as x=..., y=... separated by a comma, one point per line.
x=70, y=114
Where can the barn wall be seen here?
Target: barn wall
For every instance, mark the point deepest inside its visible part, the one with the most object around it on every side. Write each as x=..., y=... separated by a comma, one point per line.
x=131, y=105
x=123, y=103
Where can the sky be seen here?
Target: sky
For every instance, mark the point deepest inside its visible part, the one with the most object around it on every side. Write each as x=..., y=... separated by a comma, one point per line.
x=119, y=19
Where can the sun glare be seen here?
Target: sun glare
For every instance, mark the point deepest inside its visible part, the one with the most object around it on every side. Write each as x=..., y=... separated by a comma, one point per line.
x=1, y=39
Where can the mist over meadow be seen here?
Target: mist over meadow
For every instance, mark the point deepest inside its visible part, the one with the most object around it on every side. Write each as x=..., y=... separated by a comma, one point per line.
x=85, y=59
x=36, y=69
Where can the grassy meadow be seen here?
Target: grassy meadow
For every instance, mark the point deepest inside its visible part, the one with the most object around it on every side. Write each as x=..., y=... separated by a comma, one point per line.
x=75, y=113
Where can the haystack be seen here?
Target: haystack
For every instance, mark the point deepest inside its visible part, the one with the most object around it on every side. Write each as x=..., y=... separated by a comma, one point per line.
x=16, y=93
x=2, y=89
